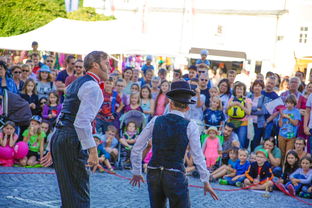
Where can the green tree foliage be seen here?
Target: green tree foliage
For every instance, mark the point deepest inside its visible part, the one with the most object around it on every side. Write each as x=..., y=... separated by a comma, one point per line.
x=21, y=16
x=88, y=14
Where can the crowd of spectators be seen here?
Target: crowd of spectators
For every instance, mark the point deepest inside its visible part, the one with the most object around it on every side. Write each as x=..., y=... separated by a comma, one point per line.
x=244, y=143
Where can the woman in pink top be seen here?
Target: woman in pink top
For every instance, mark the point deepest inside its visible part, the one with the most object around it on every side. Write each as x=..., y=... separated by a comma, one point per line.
x=162, y=100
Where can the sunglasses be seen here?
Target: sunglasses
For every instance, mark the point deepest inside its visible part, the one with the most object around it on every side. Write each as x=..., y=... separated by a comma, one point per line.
x=78, y=67
x=50, y=61
x=42, y=103
x=120, y=86
x=201, y=71
x=17, y=72
x=25, y=70
x=204, y=80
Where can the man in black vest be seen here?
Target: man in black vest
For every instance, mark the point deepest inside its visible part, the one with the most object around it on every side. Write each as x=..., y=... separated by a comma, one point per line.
x=72, y=145
x=171, y=134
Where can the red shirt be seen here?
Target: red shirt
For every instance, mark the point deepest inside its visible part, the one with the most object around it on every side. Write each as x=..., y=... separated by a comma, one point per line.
x=106, y=108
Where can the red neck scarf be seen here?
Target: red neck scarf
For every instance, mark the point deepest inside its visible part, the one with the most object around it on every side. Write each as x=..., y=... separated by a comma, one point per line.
x=97, y=79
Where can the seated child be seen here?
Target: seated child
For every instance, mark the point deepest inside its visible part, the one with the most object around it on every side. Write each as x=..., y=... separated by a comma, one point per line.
x=34, y=136
x=300, y=180
x=226, y=169
x=238, y=176
x=127, y=141
x=252, y=157
x=290, y=166
x=102, y=154
x=211, y=148
x=110, y=142
x=8, y=140
x=260, y=173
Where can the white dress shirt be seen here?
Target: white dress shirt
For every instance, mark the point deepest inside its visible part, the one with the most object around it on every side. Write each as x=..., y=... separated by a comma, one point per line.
x=91, y=99
x=194, y=142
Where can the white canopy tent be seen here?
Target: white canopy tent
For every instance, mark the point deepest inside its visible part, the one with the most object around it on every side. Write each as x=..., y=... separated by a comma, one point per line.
x=81, y=37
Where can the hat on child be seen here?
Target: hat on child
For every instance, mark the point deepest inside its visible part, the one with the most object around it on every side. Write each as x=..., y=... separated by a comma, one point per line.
x=263, y=151
x=45, y=68
x=204, y=52
x=36, y=118
x=213, y=128
x=149, y=57
x=181, y=92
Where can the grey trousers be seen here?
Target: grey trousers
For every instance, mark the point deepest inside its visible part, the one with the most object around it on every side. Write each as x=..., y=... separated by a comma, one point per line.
x=69, y=162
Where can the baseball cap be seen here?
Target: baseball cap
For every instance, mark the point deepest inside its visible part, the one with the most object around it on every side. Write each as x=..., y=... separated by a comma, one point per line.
x=204, y=52
x=263, y=151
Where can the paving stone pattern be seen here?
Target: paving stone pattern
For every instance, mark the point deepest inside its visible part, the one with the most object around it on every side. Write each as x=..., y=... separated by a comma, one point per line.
x=40, y=190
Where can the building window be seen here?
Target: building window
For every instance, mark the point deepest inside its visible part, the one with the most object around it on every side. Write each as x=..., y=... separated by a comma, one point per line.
x=303, y=35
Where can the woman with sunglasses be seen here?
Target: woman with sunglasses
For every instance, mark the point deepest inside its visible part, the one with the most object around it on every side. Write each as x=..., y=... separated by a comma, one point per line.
x=6, y=82
x=17, y=71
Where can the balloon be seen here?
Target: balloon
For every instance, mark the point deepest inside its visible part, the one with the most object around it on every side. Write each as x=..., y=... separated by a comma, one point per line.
x=6, y=152
x=20, y=150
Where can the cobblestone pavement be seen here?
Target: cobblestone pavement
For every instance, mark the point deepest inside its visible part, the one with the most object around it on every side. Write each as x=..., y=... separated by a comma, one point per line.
x=40, y=190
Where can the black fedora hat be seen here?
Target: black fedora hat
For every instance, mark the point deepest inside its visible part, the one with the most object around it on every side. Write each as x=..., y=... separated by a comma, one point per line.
x=181, y=92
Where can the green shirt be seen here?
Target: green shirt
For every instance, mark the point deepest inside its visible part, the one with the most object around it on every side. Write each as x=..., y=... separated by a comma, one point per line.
x=34, y=141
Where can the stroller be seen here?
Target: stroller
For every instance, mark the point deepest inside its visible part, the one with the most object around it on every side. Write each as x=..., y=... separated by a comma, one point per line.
x=14, y=108
x=132, y=116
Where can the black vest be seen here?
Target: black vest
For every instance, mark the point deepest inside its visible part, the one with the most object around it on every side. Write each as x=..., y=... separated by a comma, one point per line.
x=169, y=142
x=71, y=103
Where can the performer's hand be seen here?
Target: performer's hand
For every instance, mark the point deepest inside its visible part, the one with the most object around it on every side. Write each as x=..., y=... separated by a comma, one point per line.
x=136, y=179
x=46, y=160
x=208, y=188
x=93, y=160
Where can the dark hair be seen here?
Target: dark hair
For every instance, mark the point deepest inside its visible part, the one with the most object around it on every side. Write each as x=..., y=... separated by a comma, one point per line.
x=34, y=43
x=269, y=74
x=15, y=67
x=229, y=124
x=239, y=84
x=231, y=72
x=192, y=67
x=287, y=168
x=228, y=91
x=49, y=79
x=308, y=158
x=301, y=139
x=283, y=81
x=78, y=61
x=69, y=57
x=94, y=57
x=234, y=149
x=149, y=90
x=257, y=82
x=179, y=105
x=291, y=99
x=34, y=54
x=49, y=125
x=4, y=65
x=127, y=69
x=271, y=139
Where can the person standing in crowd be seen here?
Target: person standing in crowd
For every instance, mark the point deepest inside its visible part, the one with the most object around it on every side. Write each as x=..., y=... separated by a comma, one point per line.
x=155, y=87
x=147, y=78
x=294, y=83
x=177, y=75
x=27, y=73
x=238, y=110
x=284, y=86
x=35, y=57
x=127, y=76
x=192, y=73
x=231, y=75
x=49, y=61
x=82, y=102
x=29, y=93
x=161, y=99
x=61, y=76
x=17, y=71
x=269, y=92
x=6, y=82
x=288, y=123
x=299, y=147
x=148, y=64
x=258, y=111
x=302, y=85
x=225, y=92
x=204, y=89
x=178, y=132
x=45, y=84
x=162, y=74
x=307, y=125
x=302, y=105
x=79, y=72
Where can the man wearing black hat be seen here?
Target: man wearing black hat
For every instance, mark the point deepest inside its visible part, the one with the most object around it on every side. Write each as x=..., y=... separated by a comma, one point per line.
x=171, y=134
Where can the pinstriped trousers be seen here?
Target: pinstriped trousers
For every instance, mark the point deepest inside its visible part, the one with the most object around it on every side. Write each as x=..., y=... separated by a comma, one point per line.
x=69, y=163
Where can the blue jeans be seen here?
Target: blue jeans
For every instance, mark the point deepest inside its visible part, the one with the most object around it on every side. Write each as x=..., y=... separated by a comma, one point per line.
x=101, y=125
x=298, y=187
x=257, y=138
x=310, y=141
x=242, y=136
x=230, y=182
x=167, y=184
x=277, y=171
